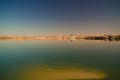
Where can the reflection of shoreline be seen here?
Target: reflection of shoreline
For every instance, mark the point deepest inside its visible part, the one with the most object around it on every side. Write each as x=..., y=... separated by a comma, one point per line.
x=65, y=38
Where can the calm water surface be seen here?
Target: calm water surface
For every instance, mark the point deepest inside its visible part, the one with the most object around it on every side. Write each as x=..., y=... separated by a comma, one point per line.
x=59, y=60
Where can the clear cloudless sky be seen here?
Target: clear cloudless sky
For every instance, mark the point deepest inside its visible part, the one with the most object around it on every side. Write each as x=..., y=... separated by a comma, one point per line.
x=54, y=17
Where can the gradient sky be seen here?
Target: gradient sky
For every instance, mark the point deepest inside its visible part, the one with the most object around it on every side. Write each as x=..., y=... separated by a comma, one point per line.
x=54, y=17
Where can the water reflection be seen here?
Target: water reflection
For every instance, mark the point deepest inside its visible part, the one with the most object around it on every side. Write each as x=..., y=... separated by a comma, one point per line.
x=56, y=73
x=89, y=60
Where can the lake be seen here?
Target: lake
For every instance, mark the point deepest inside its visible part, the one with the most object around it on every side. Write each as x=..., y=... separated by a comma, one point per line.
x=59, y=60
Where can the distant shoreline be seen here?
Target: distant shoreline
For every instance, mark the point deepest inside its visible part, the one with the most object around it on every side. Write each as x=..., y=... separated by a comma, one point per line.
x=64, y=37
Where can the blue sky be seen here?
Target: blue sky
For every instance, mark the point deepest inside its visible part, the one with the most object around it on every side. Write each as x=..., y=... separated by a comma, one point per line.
x=53, y=17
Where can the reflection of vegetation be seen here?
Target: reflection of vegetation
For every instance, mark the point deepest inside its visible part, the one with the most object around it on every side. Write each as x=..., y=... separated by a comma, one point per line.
x=56, y=73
